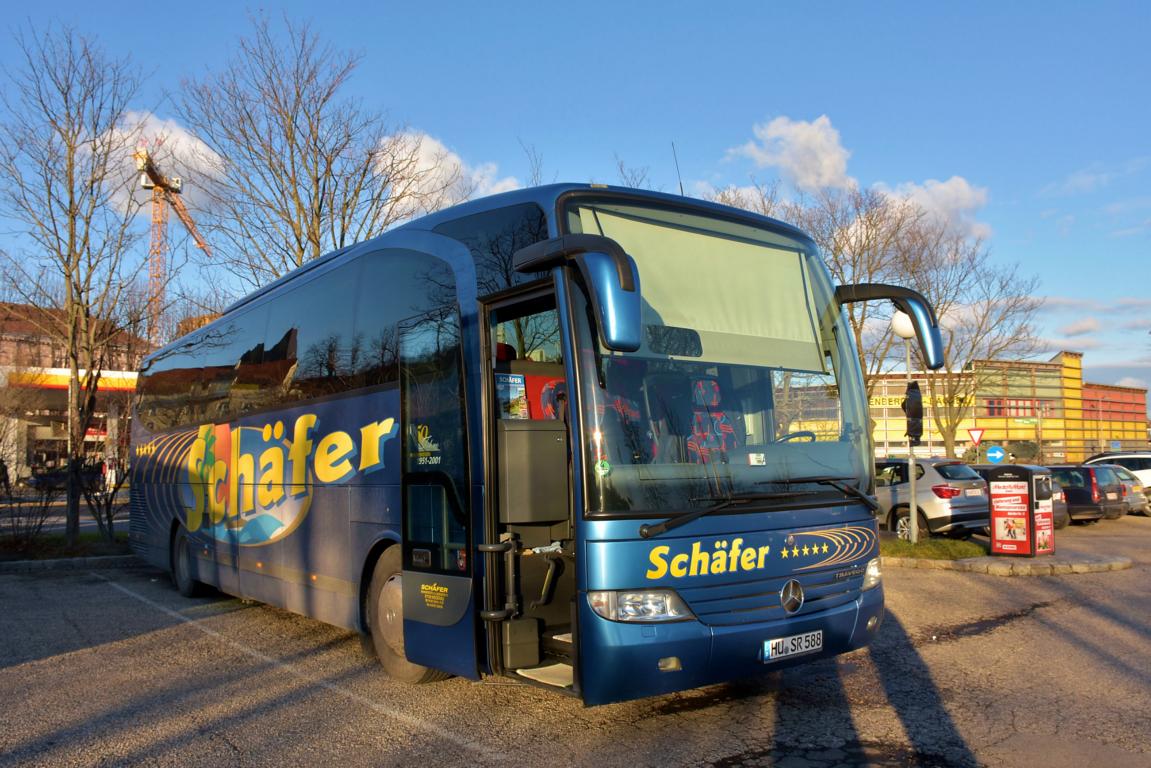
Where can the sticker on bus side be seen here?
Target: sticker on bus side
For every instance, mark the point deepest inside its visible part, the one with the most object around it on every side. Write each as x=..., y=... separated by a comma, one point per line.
x=252, y=482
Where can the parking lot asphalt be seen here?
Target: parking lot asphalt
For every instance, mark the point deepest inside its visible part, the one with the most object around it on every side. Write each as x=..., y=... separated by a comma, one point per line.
x=113, y=667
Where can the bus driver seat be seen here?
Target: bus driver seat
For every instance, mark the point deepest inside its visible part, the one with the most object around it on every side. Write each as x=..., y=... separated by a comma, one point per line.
x=625, y=435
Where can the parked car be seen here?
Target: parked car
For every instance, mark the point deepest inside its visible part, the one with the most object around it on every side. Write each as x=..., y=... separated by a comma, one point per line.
x=56, y=478
x=1136, y=492
x=1092, y=492
x=1059, y=505
x=1137, y=463
x=1059, y=515
x=950, y=497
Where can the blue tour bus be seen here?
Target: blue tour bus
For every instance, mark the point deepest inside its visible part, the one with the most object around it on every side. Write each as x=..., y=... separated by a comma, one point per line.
x=613, y=442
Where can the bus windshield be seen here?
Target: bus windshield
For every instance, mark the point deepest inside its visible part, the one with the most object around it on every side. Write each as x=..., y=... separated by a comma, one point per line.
x=746, y=380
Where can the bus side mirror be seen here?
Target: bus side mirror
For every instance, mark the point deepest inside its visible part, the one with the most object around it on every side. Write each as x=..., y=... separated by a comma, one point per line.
x=910, y=302
x=610, y=275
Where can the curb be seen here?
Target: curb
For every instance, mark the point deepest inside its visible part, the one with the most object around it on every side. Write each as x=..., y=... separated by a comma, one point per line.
x=1001, y=566
x=70, y=564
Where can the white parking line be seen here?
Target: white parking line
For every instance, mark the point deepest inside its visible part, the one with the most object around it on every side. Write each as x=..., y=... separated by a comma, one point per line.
x=432, y=729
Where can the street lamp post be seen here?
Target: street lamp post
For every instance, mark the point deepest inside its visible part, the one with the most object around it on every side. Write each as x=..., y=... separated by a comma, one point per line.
x=904, y=329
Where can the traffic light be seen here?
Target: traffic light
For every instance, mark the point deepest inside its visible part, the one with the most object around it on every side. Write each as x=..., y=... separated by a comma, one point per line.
x=913, y=407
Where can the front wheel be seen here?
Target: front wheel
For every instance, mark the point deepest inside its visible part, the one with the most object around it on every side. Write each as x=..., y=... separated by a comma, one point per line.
x=902, y=525
x=386, y=621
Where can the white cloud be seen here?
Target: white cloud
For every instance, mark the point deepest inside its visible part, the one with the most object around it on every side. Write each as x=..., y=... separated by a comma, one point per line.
x=1051, y=345
x=1094, y=177
x=954, y=202
x=439, y=166
x=1081, y=327
x=1131, y=381
x=808, y=154
x=175, y=152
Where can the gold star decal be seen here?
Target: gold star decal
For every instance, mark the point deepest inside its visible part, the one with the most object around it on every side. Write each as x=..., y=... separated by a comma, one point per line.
x=795, y=551
x=805, y=549
x=784, y=552
x=825, y=549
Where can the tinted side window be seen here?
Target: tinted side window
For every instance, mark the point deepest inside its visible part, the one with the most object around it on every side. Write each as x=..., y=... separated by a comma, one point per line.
x=1070, y=478
x=395, y=286
x=205, y=379
x=1104, y=476
x=886, y=475
x=493, y=237
x=166, y=389
x=1125, y=475
x=317, y=319
x=957, y=472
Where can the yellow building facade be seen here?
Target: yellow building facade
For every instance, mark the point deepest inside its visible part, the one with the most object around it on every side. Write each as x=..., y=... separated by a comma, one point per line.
x=1042, y=411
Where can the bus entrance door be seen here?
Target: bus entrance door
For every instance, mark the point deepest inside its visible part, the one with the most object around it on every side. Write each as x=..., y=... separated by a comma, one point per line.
x=529, y=524
x=439, y=603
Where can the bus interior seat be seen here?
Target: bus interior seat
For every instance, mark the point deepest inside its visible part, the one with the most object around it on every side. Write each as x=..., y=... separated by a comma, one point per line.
x=712, y=428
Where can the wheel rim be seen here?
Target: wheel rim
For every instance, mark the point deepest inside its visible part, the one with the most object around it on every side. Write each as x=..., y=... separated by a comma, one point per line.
x=391, y=613
x=903, y=527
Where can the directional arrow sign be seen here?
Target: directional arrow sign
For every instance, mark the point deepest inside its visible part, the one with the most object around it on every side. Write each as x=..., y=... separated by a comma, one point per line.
x=976, y=435
x=995, y=454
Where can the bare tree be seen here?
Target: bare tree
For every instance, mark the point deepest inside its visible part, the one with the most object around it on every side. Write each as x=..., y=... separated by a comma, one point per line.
x=863, y=235
x=630, y=176
x=986, y=312
x=535, y=164
x=297, y=170
x=64, y=149
x=758, y=198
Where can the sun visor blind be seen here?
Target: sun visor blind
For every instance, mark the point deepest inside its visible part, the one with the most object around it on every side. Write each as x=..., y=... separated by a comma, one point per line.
x=750, y=302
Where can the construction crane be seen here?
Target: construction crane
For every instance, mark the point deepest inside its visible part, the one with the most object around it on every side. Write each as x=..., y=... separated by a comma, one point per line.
x=165, y=195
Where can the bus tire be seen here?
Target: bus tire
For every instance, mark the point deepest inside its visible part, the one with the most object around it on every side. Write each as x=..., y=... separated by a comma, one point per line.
x=181, y=565
x=386, y=621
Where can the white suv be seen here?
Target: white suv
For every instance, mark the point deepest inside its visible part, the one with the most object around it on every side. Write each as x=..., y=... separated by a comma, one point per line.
x=1136, y=462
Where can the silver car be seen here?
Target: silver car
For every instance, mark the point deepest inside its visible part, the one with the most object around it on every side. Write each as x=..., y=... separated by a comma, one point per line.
x=950, y=496
x=1134, y=493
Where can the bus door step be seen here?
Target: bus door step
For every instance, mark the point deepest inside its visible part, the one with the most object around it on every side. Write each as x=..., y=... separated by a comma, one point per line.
x=558, y=675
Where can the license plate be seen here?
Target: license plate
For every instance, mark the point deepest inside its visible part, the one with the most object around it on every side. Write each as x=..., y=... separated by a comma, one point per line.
x=1112, y=496
x=796, y=645
x=974, y=491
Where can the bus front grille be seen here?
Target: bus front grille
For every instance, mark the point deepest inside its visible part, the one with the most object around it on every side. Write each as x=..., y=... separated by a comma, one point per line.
x=748, y=602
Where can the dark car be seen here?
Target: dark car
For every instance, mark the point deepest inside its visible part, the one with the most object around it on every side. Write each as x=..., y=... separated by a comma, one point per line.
x=56, y=479
x=1092, y=492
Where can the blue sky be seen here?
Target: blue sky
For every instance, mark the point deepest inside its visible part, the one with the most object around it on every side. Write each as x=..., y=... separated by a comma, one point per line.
x=1027, y=121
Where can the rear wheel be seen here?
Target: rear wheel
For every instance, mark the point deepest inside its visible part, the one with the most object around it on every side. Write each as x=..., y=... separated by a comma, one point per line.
x=386, y=621
x=902, y=524
x=186, y=584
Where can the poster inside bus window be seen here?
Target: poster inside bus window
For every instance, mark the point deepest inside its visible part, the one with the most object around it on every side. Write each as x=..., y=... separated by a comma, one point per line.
x=512, y=395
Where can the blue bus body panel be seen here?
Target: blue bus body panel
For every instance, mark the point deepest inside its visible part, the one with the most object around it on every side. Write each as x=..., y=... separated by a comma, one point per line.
x=730, y=572
x=270, y=500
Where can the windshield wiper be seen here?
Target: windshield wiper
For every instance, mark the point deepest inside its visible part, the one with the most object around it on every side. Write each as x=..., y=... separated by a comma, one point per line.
x=838, y=483
x=722, y=502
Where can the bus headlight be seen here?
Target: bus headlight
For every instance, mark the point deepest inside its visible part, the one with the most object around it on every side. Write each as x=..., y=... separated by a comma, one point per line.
x=651, y=605
x=872, y=575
